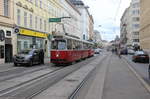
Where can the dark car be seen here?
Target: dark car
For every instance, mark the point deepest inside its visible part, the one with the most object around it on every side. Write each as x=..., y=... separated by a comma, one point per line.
x=124, y=51
x=28, y=57
x=140, y=56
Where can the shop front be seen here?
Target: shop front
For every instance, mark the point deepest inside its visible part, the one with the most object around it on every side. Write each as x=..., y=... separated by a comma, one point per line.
x=6, y=47
x=28, y=39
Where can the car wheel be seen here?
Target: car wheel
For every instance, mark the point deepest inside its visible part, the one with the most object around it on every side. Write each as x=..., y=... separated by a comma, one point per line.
x=31, y=63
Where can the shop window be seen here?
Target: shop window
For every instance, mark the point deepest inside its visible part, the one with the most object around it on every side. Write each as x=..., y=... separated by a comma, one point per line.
x=19, y=46
x=25, y=45
x=1, y=51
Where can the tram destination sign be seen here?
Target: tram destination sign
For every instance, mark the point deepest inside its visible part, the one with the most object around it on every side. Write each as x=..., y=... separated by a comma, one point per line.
x=54, y=19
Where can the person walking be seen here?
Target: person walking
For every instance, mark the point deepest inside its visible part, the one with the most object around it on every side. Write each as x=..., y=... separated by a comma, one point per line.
x=41, y=56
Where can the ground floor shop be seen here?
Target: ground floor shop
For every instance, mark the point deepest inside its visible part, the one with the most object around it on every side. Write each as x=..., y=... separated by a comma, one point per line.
x=29, y=39
x=6, y=46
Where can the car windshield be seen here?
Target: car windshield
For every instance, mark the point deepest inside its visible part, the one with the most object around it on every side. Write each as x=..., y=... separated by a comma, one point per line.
x=26, y=52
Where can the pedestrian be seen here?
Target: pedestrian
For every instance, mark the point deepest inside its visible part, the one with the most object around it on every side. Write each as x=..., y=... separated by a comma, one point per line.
x=41, y=56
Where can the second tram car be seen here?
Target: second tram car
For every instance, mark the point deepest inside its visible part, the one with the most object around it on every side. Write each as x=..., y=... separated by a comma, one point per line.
x=66, y=49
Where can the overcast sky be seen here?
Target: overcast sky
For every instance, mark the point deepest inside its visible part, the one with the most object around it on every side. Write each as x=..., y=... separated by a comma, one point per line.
x=107, y=14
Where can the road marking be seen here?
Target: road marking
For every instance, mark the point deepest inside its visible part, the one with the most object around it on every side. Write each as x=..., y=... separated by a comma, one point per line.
x=147, y=87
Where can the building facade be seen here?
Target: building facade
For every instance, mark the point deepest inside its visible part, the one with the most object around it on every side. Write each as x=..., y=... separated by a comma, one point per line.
x=32, y=23
x=85, y=17
x=6, y=31
x=97, y=38
x=91, y=28
x=130, y=25
x=145, y=25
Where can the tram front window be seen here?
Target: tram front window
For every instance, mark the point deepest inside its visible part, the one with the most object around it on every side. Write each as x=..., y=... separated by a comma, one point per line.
x=59, y=44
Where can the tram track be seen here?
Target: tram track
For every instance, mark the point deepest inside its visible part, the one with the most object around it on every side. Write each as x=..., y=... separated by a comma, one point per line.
x=21, y=72
x=29, y=89
x=87, y=80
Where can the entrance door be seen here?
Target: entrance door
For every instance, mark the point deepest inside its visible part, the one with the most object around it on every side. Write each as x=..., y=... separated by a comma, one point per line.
x=8, y=50
x=8, y=53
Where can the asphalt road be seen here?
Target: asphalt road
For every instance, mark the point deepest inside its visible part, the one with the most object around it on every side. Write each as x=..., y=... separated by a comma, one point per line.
x=119, y=82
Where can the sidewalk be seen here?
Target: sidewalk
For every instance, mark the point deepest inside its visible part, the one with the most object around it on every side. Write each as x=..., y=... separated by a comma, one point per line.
x=121, y=83
x=114, y=80
x=8, y=66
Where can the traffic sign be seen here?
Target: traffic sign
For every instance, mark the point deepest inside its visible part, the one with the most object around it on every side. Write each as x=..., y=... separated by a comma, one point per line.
x=54, y=19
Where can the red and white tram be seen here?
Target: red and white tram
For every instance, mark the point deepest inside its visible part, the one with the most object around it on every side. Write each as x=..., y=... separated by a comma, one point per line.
x=66, y=49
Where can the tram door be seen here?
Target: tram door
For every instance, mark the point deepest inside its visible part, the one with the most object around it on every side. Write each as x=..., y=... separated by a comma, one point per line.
x=8, y=51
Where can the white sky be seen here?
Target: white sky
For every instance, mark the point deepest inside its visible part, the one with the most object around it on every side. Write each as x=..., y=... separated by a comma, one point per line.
x=107, y=14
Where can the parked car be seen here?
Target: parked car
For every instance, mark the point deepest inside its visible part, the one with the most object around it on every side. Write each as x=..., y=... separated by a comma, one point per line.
x=97, y=50
x=140, y=56
x=29, y=57
x=131, y=51
x=124, y=51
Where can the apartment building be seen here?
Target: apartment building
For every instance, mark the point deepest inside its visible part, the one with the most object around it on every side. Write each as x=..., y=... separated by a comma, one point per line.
x=6, y=31
x=91, y=28
x=85, y=17
x=145, y=25
x=130, y=25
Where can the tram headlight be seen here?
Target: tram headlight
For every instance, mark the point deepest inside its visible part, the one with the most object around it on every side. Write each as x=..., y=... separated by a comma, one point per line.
x=57, y=55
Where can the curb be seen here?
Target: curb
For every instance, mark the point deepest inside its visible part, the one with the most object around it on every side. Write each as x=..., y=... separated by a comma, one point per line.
x=144, y=83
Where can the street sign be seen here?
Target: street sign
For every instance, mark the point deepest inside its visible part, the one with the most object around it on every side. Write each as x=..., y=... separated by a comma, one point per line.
x=54, y=19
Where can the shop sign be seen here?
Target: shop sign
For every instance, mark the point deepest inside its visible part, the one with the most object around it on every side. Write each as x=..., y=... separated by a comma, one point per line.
x=32, y=33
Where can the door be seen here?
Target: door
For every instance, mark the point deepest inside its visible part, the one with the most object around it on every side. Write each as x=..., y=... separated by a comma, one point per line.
x=8, y=53
x=36, y=57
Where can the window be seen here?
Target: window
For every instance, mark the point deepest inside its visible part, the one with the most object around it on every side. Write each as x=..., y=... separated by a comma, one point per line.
x=40, y=24
x=36, y=2
x=25, y=19
x=136, y=33
x=18, y=16
x=30, y=20
x=36, y=19
x=40, y=4
x=8, y=33
x=135, y=40
x=136, y=19
x=136, y=26
x=6, y=8
x=135, y=12
x=25, y=45
x=44, y=25
x=1, y=51
x=136, y=5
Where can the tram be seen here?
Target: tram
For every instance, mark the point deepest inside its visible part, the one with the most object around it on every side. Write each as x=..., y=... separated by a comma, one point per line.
x=66, y=49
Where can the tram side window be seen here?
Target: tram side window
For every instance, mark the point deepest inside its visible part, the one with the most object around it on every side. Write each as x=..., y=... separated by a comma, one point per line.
x=69, y=44
x=1, y=51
